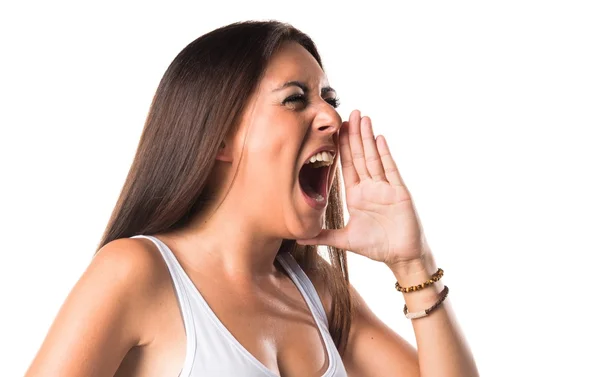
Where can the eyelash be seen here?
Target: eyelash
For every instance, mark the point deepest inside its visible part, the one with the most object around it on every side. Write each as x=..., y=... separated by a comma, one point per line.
x=334, y=102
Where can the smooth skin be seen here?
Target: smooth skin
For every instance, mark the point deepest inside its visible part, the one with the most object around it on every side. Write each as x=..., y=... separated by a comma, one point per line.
x=122, y=317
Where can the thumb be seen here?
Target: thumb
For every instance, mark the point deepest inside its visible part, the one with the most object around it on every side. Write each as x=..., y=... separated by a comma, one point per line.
x=329, y=237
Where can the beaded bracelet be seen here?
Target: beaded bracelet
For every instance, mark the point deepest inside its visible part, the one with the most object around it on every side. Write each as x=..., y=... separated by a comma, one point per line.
x=426, y=312
x=435, y=277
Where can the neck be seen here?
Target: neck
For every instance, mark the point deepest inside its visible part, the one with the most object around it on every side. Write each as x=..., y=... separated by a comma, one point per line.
x=228, y=243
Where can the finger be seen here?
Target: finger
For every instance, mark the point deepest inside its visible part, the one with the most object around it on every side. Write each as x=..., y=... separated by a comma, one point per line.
x=389, y=165
x=328, y=237
x=356, y=147
x=372, y=159
x=350, y=175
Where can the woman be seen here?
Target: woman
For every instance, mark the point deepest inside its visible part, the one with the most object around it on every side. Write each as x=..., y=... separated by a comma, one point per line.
x=208, y=266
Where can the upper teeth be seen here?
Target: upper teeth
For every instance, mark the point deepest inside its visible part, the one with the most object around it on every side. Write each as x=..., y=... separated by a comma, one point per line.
x=325, y=156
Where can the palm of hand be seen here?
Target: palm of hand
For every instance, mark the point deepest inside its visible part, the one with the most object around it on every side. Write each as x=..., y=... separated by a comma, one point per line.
x=377, y=227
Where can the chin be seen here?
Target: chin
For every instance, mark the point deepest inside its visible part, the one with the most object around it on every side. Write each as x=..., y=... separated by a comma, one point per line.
x=308, y=228
x=315, y=229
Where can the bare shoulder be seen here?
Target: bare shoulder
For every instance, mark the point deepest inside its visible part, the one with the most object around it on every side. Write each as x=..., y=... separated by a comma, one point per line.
x=134, y=262
x=104, y=314
x=138, y=274
x=131, y=268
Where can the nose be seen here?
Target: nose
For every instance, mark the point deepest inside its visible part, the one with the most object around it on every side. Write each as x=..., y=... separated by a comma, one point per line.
x=327, y=121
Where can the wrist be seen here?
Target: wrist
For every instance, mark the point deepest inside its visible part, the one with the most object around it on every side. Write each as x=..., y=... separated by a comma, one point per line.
x=415, y=271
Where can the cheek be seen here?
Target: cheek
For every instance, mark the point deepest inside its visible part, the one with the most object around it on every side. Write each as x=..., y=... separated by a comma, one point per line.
x=265, y=138
x=271, y=161
x=276, y=142
x=272, y=150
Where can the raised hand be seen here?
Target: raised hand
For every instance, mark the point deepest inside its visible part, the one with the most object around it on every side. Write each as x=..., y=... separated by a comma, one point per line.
x=383, y=223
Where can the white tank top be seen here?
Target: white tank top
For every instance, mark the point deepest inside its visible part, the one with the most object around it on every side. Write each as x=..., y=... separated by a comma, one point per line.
x=211, y=350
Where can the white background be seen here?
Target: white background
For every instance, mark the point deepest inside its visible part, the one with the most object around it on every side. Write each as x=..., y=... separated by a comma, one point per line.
x=492, y=111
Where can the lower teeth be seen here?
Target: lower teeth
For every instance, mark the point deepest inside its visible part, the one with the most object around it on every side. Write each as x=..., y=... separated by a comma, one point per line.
x=319, y=198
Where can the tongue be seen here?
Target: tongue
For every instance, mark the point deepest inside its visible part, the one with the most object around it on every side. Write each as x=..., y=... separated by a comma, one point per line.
x=312, y=193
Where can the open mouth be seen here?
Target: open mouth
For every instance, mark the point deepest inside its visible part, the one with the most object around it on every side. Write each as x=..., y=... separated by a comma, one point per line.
x=314, y=178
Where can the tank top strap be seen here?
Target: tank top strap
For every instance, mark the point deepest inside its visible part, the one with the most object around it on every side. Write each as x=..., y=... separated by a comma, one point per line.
x=183, y=298
x=306, y=287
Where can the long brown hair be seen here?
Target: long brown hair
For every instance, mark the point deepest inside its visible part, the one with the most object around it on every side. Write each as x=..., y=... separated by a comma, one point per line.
x=198, y=101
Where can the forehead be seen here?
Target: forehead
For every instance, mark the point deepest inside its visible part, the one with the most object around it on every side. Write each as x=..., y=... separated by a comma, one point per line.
x=293, y=62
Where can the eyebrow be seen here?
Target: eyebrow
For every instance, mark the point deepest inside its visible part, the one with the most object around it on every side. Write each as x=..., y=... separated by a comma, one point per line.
x=304, y=87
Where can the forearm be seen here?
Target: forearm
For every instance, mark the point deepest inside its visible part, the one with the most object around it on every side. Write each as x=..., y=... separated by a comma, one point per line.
x=441, y=347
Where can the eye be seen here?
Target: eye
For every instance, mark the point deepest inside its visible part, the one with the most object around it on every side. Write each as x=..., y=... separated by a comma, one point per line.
x=295, y=100
x=334, y=102
x=300, y=99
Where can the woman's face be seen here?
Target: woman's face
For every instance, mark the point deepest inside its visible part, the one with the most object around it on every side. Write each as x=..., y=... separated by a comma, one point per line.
x=288, y=120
